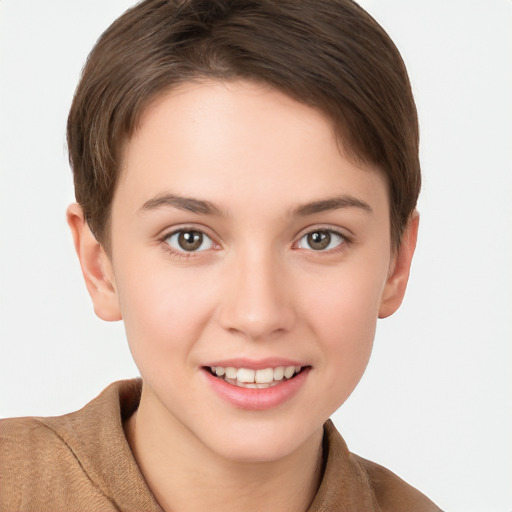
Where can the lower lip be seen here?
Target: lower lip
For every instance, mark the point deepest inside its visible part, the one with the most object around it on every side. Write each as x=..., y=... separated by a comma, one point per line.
x=257, y=399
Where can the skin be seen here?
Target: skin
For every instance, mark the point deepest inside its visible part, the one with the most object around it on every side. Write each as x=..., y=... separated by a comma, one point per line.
x=257, y=291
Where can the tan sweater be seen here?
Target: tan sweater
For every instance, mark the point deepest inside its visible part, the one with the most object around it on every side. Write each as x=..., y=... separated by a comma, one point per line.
x=82, y=462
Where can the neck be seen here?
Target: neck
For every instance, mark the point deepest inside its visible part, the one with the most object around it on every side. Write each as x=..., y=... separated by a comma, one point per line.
x=176, y=464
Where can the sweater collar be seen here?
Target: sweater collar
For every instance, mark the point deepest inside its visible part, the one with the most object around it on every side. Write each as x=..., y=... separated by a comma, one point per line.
x=96, y=435
x=345, y=486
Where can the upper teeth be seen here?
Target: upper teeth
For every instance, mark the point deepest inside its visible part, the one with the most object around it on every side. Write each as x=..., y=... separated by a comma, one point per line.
x=263, y=376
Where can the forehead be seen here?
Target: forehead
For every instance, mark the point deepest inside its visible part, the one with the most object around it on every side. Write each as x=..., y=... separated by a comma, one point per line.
x=209, y=138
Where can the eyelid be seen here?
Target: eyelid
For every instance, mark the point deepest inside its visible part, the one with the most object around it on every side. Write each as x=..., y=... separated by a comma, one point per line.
x=169, y=232
x=205, y=240
x=344, y=233
x=347, y=237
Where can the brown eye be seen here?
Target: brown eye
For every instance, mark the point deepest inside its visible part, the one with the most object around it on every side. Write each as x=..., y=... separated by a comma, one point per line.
x=321, y=240
x=189, y=241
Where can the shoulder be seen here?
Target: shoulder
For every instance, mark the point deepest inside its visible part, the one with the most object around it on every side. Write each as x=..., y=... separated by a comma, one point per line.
x=40, y=471
x=353, y=483
x=78, y=461
x=24, y=441
x=391, y=492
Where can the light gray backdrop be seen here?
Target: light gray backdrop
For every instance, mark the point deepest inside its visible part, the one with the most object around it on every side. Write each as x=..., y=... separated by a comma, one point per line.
x=436, y=403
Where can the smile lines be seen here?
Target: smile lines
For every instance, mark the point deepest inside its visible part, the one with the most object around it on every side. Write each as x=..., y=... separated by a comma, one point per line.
x=255, y=379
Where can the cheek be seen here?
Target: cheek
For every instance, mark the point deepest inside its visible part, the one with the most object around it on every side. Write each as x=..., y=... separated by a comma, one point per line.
x=343, y=316
x=164, y=312
x=344, y=305
x=346, y=333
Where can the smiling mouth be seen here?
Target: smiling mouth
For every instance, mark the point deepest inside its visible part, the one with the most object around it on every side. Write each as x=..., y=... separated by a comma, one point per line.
x=255, y=379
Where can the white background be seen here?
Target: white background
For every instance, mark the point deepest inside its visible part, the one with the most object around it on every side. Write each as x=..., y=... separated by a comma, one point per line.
x=436, y=403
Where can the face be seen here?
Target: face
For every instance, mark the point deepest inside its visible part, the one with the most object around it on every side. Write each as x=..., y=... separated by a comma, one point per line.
x=249, y=261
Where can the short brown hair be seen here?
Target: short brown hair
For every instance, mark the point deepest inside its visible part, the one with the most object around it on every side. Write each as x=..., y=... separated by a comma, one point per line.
x=329, y=54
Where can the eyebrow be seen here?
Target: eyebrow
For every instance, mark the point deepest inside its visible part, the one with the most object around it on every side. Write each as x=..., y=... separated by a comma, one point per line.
x=202, y=207
x=331, y=203
x=188, y=204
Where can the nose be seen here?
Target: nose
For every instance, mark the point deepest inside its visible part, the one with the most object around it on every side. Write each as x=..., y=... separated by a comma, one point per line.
x=258, y=299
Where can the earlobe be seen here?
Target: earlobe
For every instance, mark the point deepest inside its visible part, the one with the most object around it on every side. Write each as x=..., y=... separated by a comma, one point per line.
x=396, y=283
x=96, y=266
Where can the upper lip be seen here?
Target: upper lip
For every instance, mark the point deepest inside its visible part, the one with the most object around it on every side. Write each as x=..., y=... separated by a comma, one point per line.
x=255, y=364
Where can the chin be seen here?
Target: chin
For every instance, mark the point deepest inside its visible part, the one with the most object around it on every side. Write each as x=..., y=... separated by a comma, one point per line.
x=256, y=451
x=262, y=442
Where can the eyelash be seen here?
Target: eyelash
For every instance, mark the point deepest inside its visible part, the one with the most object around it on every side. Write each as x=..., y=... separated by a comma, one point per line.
x=182, y=254
x=344, y=240
x=178, y=254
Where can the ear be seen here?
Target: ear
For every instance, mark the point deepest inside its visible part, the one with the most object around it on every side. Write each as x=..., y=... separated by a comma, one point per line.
x=96, y=266
x=396, y=283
